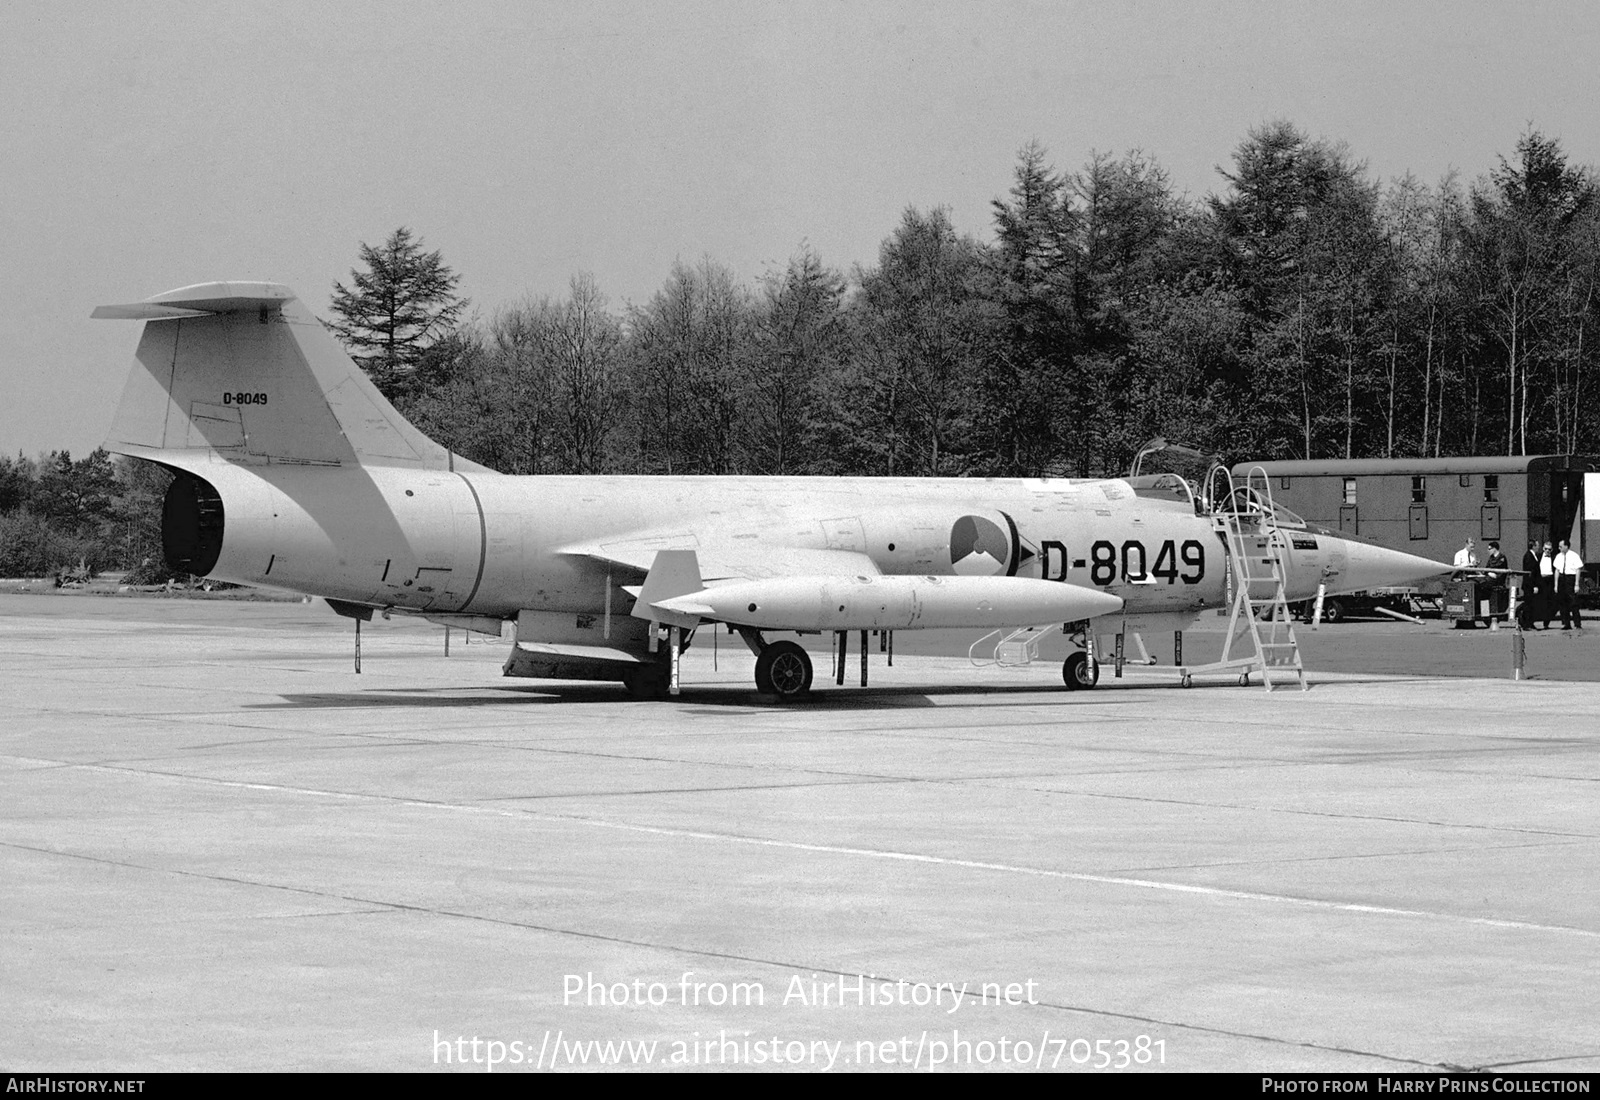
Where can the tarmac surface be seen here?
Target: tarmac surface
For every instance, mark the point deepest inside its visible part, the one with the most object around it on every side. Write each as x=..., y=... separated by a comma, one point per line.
x=220, y=848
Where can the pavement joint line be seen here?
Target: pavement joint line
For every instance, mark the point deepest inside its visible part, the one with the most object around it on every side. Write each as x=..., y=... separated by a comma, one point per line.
x=1489, y=1067
x=374, y=909
x=630, y=758
x=695, y=790
x=842, y=779
x=1292, y=811
x=836, y=779
x=1079, y=876
x=1047, y=722
x=1351, y=856
x=362, y=739
x=1235, y=1034
x=778, y=964
x=390, y=741
x=887, y=854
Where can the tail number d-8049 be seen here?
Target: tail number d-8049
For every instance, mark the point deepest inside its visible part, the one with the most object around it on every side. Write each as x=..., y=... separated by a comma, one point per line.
x=1173, y=562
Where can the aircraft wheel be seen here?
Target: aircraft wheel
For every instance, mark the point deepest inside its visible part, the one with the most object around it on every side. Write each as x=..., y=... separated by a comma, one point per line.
x=784, y=670
x=647, y=682
x=1076, y=672
x=1332, y=611
x=1187, y=681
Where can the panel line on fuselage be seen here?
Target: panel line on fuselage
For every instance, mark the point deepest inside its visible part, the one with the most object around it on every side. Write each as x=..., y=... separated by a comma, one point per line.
x=483, y=541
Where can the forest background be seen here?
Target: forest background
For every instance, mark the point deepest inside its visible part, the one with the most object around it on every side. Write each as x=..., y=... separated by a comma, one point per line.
x=1306, y=310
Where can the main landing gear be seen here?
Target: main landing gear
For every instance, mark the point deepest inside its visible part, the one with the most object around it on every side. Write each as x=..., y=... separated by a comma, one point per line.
x=655, y=678
x=783, y=669
x=648, y=681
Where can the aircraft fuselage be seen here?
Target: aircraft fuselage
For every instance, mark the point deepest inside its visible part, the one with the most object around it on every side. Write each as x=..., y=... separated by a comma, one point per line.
x=495, y=545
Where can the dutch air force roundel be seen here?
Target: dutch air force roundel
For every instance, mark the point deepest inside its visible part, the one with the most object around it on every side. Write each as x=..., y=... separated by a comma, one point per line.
x=978, y=547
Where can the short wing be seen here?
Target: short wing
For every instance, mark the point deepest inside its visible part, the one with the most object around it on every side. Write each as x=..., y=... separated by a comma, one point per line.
x=743, y=560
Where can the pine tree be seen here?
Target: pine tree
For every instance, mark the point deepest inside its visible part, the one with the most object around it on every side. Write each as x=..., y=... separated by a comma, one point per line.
x=401, y=304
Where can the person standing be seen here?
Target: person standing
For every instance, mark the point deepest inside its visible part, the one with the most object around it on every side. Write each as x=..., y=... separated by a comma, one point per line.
x=1495, y=562
x=1467, y=556
x=1529, y=609
x=1568, y=567
x=1547, y=582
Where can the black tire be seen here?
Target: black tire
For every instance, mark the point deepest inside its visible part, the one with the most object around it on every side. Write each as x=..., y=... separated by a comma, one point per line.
x=1332, y=611
x=1075, y=672
x=647, y=681
x=784, y=670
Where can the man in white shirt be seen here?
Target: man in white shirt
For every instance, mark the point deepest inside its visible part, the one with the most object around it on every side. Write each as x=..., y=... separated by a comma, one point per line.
x=1568, y=566
x=1547, y=576
x=1467, y=556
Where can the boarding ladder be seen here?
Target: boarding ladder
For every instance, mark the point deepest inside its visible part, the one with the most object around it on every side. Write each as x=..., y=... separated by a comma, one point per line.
x=1260, y=627
x=1015, y=649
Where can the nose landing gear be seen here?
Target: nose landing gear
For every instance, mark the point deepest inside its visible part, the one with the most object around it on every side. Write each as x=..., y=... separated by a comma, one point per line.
x=1079, y=672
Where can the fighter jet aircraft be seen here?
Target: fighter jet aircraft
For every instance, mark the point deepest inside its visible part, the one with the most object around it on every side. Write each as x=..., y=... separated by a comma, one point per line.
x=293, y=471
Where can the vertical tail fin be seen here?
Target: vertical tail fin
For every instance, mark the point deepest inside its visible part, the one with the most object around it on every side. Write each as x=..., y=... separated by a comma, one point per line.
x=244, y=371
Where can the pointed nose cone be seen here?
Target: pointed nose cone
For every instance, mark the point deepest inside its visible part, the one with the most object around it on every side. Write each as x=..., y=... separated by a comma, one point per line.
x=1368, y=566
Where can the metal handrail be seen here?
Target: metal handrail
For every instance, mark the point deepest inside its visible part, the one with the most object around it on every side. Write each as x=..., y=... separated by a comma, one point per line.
x=973, y=648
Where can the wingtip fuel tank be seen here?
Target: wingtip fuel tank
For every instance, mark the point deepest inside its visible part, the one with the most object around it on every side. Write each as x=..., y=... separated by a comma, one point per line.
x=894, y=602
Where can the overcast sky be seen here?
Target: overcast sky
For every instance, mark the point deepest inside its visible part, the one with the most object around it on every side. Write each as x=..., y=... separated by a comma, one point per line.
x=150, y=145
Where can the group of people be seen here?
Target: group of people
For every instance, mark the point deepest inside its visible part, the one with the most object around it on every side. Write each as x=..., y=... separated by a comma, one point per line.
x=1549, y=581
x=1550, y=587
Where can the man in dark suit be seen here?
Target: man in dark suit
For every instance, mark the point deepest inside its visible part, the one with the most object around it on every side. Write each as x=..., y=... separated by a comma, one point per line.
x=1498, y=584
x=1528, y=609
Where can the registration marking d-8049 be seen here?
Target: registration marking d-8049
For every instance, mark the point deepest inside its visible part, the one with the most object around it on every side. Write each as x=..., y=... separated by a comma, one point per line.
x=1134, y=562
x=1174, y=561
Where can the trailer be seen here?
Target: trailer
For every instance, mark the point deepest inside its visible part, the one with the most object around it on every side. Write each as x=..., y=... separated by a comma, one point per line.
x=1406, y=600
x=1431, y=506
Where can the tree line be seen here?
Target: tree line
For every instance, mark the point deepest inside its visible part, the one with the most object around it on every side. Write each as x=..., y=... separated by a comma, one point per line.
x=64, y=516
x=1306, y=310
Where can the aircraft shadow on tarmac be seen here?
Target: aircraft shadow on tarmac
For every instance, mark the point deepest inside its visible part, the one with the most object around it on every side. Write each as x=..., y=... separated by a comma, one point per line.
x=703, y=695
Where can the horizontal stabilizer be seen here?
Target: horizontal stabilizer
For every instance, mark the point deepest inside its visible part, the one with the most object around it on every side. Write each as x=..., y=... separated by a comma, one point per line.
x=145, y=311
x=200, y=300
